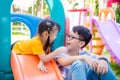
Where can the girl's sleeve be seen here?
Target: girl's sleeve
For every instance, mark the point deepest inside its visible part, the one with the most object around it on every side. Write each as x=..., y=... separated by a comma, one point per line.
x=36, y=47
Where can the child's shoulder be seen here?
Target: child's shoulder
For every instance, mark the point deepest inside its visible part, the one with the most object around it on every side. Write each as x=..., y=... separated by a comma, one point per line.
x=35, y=38
x=84, y=53
x=88, y=53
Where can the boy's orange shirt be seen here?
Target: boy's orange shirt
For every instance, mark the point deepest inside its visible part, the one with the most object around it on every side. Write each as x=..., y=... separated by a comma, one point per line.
x=31, y=46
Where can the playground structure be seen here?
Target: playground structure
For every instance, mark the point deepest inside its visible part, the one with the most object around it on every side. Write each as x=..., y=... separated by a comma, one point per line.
x=104, y=15
x=104, y=29
x=25, y=68
x=110, y=34
x=20, y=62
x=5, y=19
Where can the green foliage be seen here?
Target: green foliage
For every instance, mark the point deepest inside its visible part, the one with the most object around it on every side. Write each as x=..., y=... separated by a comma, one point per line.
x=116, y=7
x=96, y=8
x=117, y=13
x=30, y=10
x=45, y=8
x=19, y=33
x=75, y=5
x=16, y=23
x=116, y=69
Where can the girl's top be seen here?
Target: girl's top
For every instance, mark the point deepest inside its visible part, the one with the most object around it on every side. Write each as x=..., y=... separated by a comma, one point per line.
x=30, y=46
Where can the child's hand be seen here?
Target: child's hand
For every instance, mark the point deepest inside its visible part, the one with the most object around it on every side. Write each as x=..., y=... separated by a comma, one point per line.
x=92, y=62
x=62, y=50
x=42, y=67
x=102, y=67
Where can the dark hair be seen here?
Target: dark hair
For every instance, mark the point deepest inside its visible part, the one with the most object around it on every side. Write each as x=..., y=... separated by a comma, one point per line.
x=49, y=25
x=84, y=34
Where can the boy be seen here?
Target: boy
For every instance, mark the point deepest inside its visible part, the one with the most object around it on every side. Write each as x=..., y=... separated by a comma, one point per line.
x=81, y=65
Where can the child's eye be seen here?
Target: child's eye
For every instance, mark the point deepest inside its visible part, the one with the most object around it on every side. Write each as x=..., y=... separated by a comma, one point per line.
x=72, y=37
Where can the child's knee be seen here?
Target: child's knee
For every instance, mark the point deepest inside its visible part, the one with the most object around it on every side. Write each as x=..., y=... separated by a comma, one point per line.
x=78, y=64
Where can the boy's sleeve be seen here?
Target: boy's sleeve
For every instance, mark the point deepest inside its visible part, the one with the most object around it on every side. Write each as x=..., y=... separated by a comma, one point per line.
x=89, y=54
x=99, y=57
x=103, y=58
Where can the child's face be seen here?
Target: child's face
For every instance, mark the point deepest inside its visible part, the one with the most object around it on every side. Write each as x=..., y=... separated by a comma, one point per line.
x=53, y=35
x=72, y=41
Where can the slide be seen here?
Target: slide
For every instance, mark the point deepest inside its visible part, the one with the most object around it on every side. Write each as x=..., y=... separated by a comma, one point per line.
x=110, y=34
x=24, y=67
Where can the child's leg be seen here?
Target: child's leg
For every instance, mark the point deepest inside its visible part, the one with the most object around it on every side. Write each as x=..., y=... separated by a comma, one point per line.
x=78, y=71
x=92, y=75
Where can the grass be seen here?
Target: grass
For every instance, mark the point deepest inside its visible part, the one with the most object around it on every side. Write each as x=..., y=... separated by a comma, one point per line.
x=116, y=69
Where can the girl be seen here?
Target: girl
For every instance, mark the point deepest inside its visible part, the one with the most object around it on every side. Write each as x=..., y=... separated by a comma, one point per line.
x=40, y=44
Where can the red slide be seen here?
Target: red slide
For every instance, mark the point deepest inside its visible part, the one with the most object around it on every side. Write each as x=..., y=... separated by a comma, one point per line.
x=24, y=67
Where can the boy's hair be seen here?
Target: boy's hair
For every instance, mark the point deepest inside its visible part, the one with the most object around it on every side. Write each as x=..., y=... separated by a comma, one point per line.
x=84, y=34
x=47, y=25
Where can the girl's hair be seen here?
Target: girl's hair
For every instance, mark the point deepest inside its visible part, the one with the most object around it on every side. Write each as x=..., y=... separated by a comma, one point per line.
x=47, y=25
x=84, y=34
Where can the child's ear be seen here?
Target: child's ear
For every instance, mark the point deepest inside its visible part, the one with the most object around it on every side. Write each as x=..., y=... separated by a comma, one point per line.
x=81, y=43
x=45, y=33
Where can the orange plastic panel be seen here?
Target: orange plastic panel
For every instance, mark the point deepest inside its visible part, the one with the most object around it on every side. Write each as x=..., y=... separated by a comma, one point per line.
x=105, y=11
x=24, y=67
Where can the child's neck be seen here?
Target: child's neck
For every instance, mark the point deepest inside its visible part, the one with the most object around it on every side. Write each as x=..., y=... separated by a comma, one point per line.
x=73, y=52
x=42, y=40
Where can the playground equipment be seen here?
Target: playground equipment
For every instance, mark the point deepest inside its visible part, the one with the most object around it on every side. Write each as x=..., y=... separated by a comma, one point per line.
x=110, y=34
x=5, y=69
x=24, y=67
x=106, y=12
x=103, y=16
x=109, y=2
x=104, y=29
x=55, y=7
x=31, y=21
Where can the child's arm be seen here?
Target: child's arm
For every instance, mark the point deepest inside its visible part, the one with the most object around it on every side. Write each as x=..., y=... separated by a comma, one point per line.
x=64, y=61
x=47, y=57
